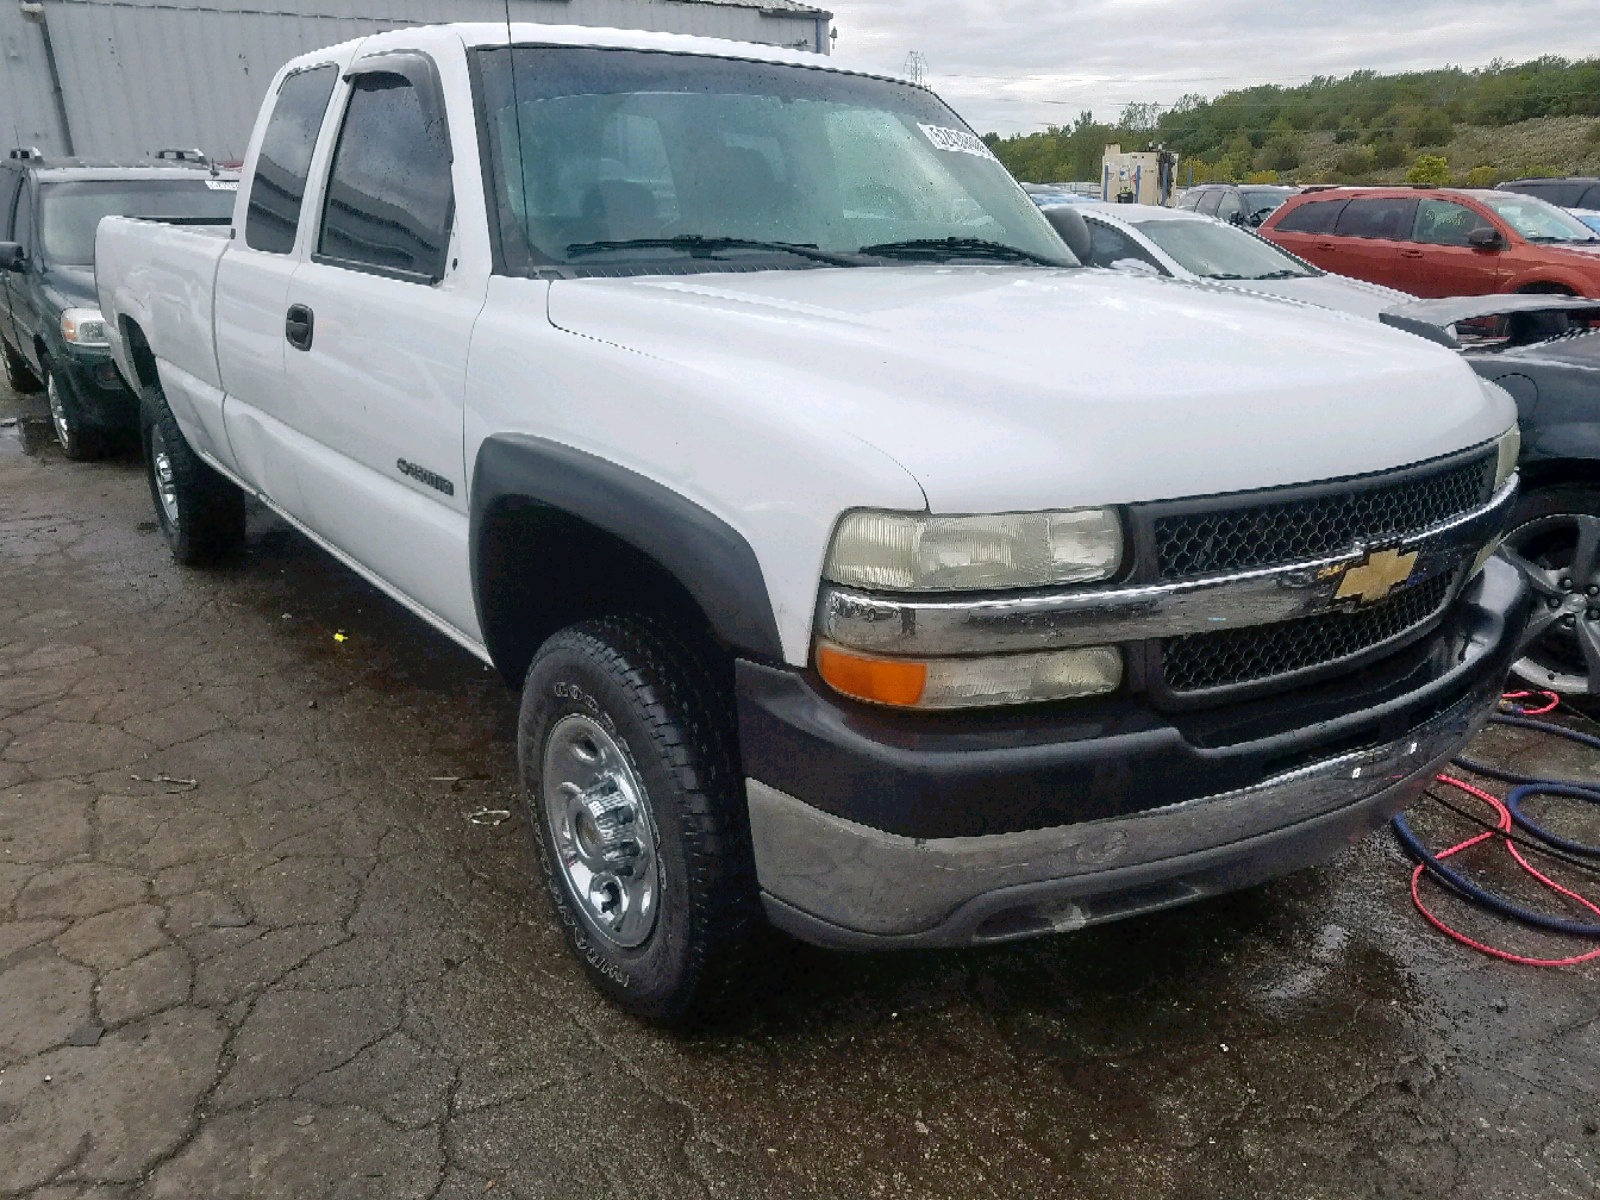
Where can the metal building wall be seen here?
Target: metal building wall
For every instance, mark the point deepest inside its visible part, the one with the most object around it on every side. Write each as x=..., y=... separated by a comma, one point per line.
x=138, y=75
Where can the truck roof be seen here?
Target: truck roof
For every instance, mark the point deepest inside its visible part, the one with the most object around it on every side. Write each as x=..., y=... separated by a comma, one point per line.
x=480, y=34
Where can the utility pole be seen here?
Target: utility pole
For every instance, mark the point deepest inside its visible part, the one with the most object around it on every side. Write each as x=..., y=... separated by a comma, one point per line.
x=916, y=68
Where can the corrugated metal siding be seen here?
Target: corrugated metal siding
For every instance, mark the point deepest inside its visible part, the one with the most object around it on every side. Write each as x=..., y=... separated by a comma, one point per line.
x=139, y=75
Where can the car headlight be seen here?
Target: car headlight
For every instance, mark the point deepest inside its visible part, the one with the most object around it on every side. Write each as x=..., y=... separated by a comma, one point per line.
x=84, y=327
x=1508, y=449
x=919, y=552
x=945, y=683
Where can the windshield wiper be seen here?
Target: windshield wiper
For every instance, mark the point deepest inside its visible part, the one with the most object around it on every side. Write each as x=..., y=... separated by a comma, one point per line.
x=701, y=246
x=959, y=247
x=1286, y=273
x=1545, y=240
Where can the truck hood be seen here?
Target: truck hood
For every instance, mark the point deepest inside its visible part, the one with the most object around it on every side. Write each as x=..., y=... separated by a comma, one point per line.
x=1014, y=388
x=71, y=287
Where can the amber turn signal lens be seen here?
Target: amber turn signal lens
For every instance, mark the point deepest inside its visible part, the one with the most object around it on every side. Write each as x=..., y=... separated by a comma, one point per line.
x=880, y=680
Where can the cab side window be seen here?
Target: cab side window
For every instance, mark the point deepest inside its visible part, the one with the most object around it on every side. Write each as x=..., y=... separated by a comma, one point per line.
x=390, y=204
x=1229, y=207
x=1208, y=202
x=1441, y=223
x=278, y=188
x=22, y=220
x=1108, y=245
x=1388, y=219
x=1316, y=216
x=9, y=182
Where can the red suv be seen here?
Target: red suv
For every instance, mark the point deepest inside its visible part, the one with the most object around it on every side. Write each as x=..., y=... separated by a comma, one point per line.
x=1441, y=241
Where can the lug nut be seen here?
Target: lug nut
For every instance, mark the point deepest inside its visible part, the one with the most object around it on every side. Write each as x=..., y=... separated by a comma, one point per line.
x=1592, y=590
x=1566, y=585
x=1569, y=620
x=1553, y=602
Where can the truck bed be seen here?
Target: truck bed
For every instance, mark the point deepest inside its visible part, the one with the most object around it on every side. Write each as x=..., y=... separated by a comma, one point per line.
x=163, y=277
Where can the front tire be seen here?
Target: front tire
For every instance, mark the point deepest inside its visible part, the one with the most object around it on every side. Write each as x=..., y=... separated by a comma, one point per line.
x=634, y=813
x=78, y=441
x=1555, y=540
x=201, y=514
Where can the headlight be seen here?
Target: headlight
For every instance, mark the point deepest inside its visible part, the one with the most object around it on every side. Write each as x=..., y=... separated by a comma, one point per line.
x=1509, y=449
x=971, y=682
x=910, y=552
x=84, y=327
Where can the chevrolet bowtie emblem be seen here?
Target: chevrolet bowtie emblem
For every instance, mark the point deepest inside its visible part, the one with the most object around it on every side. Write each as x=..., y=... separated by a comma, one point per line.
x=1374, y=579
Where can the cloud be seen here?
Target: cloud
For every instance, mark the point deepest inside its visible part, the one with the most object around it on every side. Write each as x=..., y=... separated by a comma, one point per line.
x=1013, y=65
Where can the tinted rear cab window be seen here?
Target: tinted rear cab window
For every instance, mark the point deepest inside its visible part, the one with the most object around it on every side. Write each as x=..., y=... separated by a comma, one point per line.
x=1316, y=217
x=283, y=164
x=1389, y=219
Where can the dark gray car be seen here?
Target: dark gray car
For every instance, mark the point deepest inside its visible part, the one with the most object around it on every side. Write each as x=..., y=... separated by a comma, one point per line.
x=51, y=335
x=1542, y=350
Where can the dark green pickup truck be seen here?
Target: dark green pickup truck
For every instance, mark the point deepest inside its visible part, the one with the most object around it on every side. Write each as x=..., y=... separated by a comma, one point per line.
x=51, y=334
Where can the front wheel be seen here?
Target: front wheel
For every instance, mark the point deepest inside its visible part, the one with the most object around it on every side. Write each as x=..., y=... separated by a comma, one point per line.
x=634, y=812
x=201, y=514
x=78, y=441
x=1555, y=540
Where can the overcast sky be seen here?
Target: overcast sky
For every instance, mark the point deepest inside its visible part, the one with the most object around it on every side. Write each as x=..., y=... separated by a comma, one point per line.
x=1018, y=65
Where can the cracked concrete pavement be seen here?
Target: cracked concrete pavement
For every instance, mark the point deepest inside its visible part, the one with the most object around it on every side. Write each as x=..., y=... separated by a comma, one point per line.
x=252, y=946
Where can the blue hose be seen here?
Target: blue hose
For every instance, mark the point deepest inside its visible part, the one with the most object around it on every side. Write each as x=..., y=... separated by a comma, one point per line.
x=1530, y=786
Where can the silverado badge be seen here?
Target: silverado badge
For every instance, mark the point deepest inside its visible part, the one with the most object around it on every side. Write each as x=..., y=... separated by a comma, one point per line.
x=1377, y=577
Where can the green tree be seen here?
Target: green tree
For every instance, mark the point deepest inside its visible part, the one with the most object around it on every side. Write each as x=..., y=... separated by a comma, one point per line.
x=1432, y=169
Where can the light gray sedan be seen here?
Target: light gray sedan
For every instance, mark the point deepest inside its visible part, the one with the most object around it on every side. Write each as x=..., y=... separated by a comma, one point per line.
x=1144, y=239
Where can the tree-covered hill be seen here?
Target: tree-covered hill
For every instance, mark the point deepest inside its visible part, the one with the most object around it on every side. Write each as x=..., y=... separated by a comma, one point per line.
x=1363, y=127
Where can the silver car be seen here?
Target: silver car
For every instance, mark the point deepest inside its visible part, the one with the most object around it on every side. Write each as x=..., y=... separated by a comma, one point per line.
x=1143, y=239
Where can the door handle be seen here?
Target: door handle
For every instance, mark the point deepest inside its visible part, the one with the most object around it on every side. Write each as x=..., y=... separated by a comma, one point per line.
x=298, y=326
x=1325, y=246
x=1411, y=254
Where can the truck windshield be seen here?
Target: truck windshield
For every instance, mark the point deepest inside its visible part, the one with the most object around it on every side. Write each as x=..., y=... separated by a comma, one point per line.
x=70, y=212
x=1213, y=250
x=622, y=160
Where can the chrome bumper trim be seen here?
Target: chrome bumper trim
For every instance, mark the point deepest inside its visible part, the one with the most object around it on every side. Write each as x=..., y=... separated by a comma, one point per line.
x=923, y=626
x=840, y=883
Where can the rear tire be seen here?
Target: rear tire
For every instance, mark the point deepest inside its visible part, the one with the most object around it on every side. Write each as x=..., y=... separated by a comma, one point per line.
x=634, y=813
x=78, y=441
x=201, y=514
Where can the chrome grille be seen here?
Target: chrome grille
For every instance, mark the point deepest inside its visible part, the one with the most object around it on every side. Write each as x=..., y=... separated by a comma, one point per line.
x=1235, y=657
x=1239, y=535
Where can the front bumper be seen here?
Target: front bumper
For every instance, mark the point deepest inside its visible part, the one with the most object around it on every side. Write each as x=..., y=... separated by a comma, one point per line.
x=99, y=396
x=854, y=869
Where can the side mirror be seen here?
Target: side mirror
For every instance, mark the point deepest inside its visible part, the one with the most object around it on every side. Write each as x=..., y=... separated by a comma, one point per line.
x=1237, y=218
x=1069, y=224
x=12, y=257
x=1135, y=266
x=1485, y=238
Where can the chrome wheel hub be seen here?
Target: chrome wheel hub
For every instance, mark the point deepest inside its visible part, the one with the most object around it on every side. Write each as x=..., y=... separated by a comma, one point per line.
x=1560, y=557
x=599, y=821
x=58, y=413
x=161, y=473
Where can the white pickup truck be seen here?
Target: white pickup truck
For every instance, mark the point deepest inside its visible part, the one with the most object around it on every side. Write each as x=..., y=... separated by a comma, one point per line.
x=864, y=562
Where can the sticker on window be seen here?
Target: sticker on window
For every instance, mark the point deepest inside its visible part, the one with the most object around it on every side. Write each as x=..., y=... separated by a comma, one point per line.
x=957, y=141
x=223, y=185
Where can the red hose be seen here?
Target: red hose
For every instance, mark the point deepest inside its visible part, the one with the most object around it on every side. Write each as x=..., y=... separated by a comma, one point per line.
x=1501, y=830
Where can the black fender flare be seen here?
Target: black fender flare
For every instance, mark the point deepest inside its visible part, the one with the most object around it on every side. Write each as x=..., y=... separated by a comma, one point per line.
x=708, y=557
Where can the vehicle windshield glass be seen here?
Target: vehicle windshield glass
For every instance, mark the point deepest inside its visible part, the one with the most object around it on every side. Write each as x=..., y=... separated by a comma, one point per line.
x=1539, y=220
x=1216, y=251
x=597, y=152
x=1264, y=200
x=70, y=212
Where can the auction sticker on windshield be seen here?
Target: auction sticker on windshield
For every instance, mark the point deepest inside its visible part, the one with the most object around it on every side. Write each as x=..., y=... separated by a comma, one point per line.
x=223, y=185
x=957, y=141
